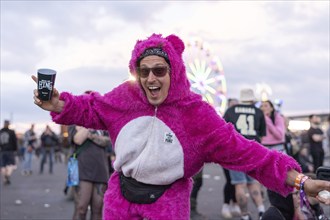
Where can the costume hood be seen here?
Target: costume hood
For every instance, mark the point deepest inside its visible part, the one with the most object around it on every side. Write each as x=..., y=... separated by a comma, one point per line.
x=174, y=47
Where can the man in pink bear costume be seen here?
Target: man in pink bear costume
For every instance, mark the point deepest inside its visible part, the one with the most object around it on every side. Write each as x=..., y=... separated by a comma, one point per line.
x=163, y=133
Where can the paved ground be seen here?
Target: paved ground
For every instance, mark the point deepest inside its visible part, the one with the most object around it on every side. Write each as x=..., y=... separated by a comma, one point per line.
x=36, y=196
x=40, y=197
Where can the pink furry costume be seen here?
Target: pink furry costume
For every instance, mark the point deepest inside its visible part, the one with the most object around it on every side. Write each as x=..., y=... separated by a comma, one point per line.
x=168, y=144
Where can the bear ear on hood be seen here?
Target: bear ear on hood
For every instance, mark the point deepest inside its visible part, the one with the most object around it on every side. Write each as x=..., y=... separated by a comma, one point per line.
x=177, y=43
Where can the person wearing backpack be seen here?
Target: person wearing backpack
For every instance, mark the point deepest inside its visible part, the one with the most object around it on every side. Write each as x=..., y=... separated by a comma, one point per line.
x=8, y=147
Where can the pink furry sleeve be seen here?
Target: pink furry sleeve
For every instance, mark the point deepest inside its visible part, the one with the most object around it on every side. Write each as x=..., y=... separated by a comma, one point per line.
x=80, y=110
x=224, y=145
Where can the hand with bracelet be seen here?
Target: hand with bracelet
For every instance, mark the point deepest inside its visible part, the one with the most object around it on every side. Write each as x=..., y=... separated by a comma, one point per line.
x=310, y=187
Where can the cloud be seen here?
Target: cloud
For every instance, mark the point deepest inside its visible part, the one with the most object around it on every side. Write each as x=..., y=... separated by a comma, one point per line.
x=89, y=43
x=95, y=78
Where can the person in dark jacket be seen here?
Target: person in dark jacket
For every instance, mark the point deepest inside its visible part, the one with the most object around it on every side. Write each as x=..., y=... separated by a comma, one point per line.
x=316, y=137
x=8, y=147
x=49, y=141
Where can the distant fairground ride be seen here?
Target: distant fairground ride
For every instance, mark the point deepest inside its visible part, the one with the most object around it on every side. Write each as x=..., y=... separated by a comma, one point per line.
x=206, y=75
x=263, y=91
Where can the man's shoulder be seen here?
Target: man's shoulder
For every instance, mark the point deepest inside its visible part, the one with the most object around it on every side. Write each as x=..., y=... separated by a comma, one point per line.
x=244, y=109
x=311, y=129
x=6, y=130
x=230, y=110
x=259, y=113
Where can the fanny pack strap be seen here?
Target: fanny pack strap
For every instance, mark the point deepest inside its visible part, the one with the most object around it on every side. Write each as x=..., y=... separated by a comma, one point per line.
x=143, y=185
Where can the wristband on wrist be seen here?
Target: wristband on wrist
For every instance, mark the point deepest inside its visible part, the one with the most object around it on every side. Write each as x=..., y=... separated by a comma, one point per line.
x=302, y=182
x=303, y=197
x=297, y=181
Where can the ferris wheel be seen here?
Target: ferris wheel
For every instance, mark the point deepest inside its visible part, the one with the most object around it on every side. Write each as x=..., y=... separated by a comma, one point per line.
x=205, y=73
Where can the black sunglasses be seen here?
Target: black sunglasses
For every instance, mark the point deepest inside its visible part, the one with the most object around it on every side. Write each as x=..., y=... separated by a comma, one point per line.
x=158, y=71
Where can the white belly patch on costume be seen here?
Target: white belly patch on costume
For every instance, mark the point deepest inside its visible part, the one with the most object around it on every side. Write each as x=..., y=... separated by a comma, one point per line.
x=148, y=150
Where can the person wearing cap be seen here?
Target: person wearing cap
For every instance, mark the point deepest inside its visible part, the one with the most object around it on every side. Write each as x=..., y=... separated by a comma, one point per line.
x=8, y=147
x=163, y=133
x=250, y=122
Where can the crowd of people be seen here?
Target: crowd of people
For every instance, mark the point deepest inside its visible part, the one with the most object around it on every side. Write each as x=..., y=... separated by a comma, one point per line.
x=151, y=117
x=267, y=125
x=272, y=130
x=49, y=147
x=32, y=146
x=95, y=159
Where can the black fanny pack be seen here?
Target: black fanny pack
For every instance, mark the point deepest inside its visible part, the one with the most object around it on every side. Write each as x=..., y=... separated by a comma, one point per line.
x=140, y=193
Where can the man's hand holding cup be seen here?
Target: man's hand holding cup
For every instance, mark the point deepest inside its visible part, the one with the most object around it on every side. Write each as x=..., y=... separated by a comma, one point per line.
x=46, y=96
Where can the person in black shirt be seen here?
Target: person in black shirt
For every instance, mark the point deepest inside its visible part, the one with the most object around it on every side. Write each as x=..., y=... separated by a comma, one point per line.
x=250, y=122
x=247, y=119
x=315, y=137
x=8, y=147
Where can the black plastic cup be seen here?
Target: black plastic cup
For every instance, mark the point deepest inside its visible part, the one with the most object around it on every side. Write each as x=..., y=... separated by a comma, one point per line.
x=46, y=81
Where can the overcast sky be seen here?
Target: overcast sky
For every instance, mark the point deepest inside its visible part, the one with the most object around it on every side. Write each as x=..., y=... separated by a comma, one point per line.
x=284, y=44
